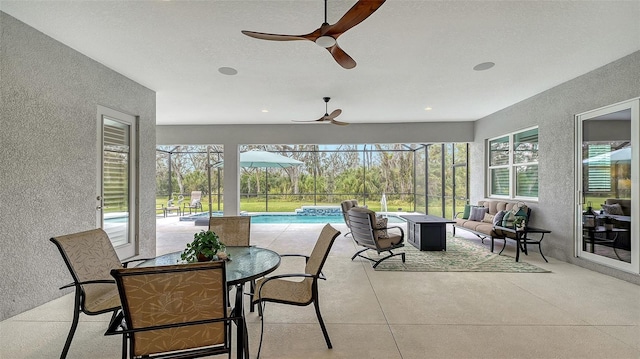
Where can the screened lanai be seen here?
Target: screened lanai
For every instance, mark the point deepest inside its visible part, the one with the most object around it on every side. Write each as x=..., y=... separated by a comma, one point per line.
x=424, y=178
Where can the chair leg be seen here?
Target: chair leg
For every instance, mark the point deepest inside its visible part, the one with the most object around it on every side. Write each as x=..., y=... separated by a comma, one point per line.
x=358, y=253
x=324, y=329
x=74, y=325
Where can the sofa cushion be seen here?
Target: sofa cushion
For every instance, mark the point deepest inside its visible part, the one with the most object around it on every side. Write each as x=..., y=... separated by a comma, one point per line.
x=467, y=211
x=488, y=218
x=624, y=203
x=614, y=209
x=477, y=213
x=381, y=227
x=497, y=219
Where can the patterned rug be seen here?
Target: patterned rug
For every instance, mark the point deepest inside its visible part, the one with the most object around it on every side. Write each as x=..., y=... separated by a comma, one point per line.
x=461, y=256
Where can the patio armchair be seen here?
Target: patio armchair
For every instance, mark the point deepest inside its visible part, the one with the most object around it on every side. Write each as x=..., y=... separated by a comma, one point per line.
x=174, y=207
x=282, y=289
x=372, y=233
x=90, y=257
x=346, y=206
x=233, y=231
x=176, y=311
x=195, y=204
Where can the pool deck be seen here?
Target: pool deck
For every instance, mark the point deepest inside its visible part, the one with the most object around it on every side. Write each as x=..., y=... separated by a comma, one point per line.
x=173, y=235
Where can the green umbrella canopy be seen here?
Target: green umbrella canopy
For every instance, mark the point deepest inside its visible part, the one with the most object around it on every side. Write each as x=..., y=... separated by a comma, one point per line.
x=256, y=159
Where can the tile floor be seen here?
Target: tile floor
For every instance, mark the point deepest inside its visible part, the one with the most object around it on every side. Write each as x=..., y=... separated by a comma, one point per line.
x=569, y=313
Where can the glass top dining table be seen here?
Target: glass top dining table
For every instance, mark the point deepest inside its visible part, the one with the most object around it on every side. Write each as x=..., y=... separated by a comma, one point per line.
x=245, y=264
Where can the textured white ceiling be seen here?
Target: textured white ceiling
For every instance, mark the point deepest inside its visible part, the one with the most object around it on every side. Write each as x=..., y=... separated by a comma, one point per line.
x=410, y=54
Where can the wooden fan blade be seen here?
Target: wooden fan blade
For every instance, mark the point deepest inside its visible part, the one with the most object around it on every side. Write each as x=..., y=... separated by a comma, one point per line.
x=339, y=123
x=341, y=57
x=334, y=114
x=358, y=13
x=276, y=37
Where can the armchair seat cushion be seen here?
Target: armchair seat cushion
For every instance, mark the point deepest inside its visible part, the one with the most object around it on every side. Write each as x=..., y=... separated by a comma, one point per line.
x=390, y=241
x=102, y=299
x=286, y=290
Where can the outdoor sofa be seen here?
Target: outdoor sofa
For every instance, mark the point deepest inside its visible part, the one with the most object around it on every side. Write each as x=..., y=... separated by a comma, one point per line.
x=485, y=227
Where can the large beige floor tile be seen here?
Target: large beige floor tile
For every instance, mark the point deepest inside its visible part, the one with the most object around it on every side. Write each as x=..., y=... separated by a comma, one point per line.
x=539, y=342
x=44, y=340
x=306, y=341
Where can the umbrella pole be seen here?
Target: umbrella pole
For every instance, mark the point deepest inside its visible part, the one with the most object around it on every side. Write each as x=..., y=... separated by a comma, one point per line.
x=266, y=189
x=209, y=176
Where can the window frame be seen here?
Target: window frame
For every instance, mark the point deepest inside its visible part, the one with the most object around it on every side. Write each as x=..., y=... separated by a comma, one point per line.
x=511, y=165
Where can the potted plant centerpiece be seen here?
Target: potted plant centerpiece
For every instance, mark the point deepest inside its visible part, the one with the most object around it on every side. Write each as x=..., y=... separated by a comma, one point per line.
x=206, y=246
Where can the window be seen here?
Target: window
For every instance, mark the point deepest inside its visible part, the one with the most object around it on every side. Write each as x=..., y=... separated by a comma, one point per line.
x=513, y=165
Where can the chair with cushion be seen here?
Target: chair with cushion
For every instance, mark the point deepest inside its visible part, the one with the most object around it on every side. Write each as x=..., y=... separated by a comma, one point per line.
x=175, y=311
x=233, y=231
x=195, y=204
x=90, y=256
x=282, y=289
x=346, y=206
x=373, y=233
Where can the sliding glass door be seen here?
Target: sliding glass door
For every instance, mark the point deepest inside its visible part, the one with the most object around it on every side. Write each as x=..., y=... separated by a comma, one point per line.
x=607, y=183
x=116, y=198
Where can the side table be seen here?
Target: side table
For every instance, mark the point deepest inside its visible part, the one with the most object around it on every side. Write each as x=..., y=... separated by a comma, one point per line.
x=521, y=238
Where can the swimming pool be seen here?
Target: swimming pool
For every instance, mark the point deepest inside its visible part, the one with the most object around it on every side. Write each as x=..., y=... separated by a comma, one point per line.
x=286, y=219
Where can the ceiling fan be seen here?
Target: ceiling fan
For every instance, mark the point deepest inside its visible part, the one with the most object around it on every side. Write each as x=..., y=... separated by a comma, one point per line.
x=326, y=35
x=327, y=117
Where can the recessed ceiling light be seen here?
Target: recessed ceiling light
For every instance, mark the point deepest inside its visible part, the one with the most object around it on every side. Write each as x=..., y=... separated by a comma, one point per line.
x=228, y=71
x=265, y=110
x=484, y=66
x=428, y=109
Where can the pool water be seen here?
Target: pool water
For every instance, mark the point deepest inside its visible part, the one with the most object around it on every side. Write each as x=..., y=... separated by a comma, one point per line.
x=292, y=219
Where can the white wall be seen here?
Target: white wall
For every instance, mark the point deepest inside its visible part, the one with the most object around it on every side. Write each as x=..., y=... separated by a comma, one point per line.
x=553, y=111
x=48, y=169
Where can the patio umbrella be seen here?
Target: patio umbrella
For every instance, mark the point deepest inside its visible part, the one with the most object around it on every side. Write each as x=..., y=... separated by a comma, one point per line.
x=259, y=159
x=383, y=203
x=256, y=159
x=621, y=155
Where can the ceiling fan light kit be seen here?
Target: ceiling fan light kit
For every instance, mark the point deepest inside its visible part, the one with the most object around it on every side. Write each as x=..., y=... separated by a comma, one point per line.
x=327, y=35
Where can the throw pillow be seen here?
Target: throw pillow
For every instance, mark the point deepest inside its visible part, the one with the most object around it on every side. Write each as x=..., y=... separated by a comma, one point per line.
x=497, y=219
x=613, y=209
x=488, y=218
x=381, y=227
x=467, y=211
x=477, y=213
x=508, y=219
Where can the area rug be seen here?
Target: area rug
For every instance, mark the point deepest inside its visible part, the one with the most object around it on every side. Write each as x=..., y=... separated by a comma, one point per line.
x=461, y=255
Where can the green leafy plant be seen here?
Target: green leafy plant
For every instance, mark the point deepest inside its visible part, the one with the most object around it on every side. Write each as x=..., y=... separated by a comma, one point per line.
x=204, y=247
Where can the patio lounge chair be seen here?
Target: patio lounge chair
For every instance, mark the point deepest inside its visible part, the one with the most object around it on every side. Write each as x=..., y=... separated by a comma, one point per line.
x=195, y=204
x=346, y=206
x=369, y=232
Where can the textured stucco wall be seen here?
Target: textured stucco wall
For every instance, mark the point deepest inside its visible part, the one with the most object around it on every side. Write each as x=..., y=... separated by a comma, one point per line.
x=553, y=111
x=48, y=170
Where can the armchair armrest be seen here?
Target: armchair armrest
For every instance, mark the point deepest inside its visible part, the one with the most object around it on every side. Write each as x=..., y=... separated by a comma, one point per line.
x=126, y=263
x=457, y=214
x=97, y=281
x=306, y=258
x=396, y=227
